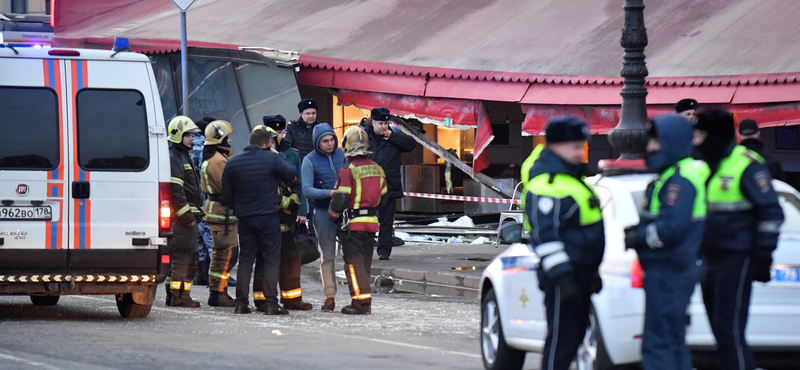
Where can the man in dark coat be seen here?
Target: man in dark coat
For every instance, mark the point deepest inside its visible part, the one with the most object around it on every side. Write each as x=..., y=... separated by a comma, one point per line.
x=748, y=131
x=386, y=146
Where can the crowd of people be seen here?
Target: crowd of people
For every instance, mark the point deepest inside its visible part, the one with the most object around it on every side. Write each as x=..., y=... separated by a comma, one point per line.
x=711, y=216
x=245, y=208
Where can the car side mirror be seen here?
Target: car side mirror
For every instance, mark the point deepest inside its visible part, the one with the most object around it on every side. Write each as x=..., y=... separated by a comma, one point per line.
x=510, y=233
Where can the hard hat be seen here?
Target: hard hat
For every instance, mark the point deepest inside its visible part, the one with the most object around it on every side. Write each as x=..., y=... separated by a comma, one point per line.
x=179, y=126
x=355, y=142
x=263, y=127
x=216, y=131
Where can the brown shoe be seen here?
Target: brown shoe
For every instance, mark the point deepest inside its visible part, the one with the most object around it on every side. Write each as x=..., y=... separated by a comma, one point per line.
x=329, y=305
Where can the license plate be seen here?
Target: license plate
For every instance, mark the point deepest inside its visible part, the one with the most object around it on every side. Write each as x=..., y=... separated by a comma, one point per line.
x=44, y=213
x=786, y=274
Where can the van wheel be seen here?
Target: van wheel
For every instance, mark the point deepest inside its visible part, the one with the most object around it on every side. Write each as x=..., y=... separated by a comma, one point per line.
x=129, y=309
x=44, y=300
x=497, y=355
x=592, y=354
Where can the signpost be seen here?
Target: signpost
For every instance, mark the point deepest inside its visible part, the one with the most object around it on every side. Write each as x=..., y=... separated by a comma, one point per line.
x=184, y=5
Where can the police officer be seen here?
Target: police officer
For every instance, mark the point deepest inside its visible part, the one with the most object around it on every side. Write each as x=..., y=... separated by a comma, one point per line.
x=567, y=234
x=221, y=220
x=668, y=239
x=250, y=187
x=186, y=213
x=359, y=193
x=204, y=238
x=741, y=232
x=687, y=108
x=291, y=206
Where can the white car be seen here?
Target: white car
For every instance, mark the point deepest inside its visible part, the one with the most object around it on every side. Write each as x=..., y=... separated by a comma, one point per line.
x=513, y=319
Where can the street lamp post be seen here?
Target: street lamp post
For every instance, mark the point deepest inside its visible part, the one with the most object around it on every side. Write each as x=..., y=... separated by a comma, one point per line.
x=629, y=137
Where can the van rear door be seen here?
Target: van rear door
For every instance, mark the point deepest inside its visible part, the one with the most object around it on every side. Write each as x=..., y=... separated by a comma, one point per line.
x=114, y=180
x=33, y=167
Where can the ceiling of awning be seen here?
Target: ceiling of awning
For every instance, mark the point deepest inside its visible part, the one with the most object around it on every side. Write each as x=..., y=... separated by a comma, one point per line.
x=568, y=37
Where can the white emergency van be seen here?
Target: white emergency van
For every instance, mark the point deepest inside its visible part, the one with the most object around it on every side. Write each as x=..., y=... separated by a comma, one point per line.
x=84, y=177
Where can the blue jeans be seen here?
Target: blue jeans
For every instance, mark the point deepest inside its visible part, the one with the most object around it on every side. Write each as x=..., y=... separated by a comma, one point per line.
x=326, y=243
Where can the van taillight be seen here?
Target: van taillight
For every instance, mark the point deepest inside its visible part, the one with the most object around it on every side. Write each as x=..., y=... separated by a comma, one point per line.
x=637, y=275
x=164, y=204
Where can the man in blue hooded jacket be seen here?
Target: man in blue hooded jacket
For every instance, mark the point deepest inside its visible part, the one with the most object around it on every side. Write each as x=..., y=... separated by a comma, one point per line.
x=320, y=168
x=568, y=236
x=668, y=240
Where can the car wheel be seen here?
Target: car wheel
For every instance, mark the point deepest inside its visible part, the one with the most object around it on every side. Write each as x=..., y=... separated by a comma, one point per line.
x=592, y=354
x=129, y=309
x=497, y=354
x=44, y=300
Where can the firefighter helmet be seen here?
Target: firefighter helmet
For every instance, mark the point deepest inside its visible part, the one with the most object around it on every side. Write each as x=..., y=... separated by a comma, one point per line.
x=355, y=142
x=216, y=131
x=179, y=126
x=263, y=127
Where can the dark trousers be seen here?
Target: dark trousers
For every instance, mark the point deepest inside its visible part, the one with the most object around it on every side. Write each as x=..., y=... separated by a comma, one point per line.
x=566, y=324
x=667, y=293
x=386, y=219
x=185, y=258
x=726, y=294
x=357, y=250
x=259, y=235
x=289, y=276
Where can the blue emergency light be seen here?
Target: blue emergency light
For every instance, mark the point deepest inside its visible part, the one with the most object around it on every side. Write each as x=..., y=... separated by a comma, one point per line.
x=121, y=44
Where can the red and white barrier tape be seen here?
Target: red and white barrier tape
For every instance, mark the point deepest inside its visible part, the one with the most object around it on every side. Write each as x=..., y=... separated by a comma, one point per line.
x=462, y=198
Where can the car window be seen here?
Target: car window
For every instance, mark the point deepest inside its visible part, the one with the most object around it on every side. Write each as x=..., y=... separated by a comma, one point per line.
x=29, y=118
x=112, y=130
x=791, y=213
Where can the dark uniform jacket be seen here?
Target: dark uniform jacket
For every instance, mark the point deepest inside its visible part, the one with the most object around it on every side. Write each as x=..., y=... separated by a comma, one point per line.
x=755, y=230
x=672, y=238
x=559, y=221
x=386, y=153
x=301, y=136
x=293, y=158
x=772, y=163
x=186, y=196
x=250, y=182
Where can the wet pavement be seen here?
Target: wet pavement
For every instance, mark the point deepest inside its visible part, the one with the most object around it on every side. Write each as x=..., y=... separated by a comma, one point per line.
x=405, y=330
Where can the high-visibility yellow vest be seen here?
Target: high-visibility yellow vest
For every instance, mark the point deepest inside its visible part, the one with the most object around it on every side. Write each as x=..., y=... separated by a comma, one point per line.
x=724, y=191
x=563, y=186
x=697, y=173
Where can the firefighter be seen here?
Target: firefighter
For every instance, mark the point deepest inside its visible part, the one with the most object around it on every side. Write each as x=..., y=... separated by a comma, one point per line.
x=221, y=220
x=291, y=206
x=741, y=232
x=359, y=193
x=667, y=240
x=567, y=234
x=186, y=198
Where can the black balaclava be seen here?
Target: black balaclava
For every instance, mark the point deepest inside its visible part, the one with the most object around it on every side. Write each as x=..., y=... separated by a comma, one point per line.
x=721, y=134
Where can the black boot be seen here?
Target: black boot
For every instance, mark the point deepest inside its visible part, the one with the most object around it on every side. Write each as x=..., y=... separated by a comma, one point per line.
x=261, y=305
x=219, y=299
x=201, y=277
x=168, y=301
x=241, y=309
x=181, y=298
x=275, y=310
x=364, y=309
x=297, y=304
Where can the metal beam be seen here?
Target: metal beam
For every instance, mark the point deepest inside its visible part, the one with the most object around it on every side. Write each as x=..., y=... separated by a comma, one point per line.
x=437, y=149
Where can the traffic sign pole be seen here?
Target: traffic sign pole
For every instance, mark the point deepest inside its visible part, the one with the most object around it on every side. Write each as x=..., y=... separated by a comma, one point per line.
x=184, y=66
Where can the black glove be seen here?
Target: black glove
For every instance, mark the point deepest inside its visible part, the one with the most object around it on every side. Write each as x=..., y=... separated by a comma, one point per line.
x=761, y=267
x=568, y=288
x=632, y=237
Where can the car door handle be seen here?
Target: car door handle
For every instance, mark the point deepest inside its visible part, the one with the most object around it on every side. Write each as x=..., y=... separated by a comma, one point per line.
x=80, y=189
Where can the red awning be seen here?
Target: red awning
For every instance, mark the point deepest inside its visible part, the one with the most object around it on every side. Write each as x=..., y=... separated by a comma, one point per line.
x=460, y=111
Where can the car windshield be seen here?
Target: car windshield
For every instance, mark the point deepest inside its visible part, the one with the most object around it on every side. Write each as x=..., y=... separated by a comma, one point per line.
x=791, y=213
